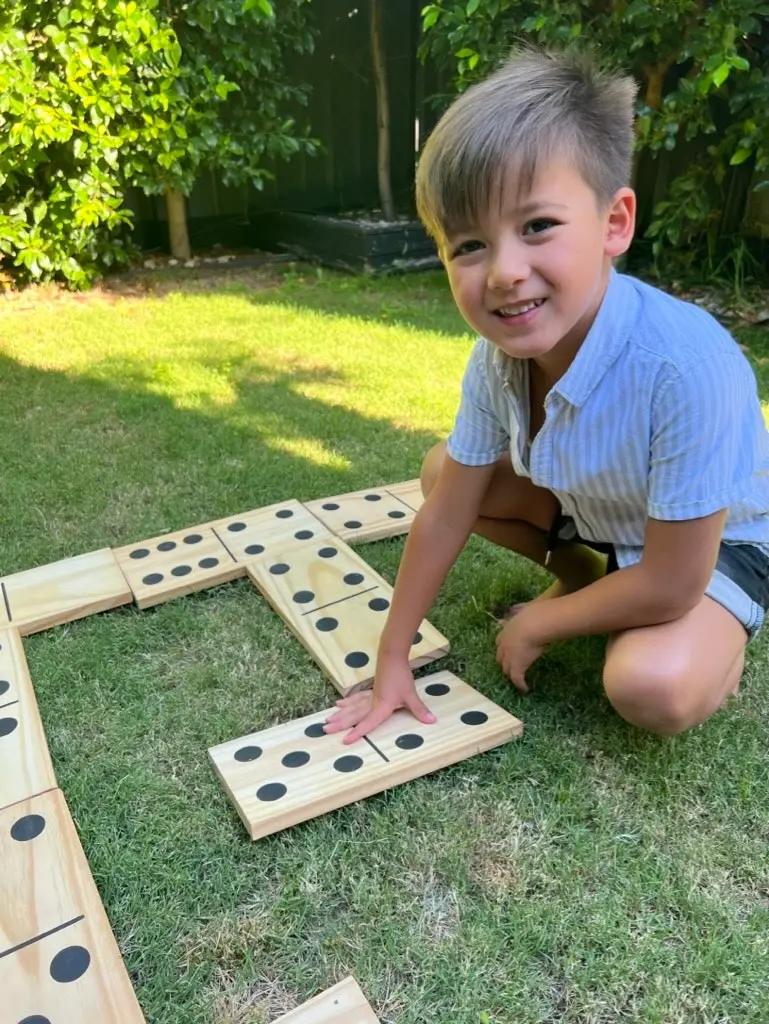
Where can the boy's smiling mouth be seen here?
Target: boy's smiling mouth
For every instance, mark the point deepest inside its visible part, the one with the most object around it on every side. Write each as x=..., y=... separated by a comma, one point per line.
x=517, y=308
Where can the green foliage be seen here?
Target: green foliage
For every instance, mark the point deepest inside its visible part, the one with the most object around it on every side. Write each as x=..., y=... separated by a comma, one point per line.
x=98, y=95
x=702, y=68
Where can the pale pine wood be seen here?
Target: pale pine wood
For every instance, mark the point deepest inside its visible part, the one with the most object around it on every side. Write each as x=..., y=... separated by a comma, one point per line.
x=25, y=764
x=49, y=903
x=409, y=492
x=63, y=591
x=5, y=607
x=188, y=549
x=315, y=787
x=342, y=1004
x=343, y=588
x=365, y=515
x=256, y=534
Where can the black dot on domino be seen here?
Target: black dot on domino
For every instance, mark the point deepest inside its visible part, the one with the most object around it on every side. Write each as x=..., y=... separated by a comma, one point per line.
x=193, y=538
x=409, y=741
x=315, y=730
x=353, y=524
x=327, y=552
x=348, y=763
x=7, y=725
x=474, y=717
x=303, y=596
x=379, y=604
x=181, y=570
x=28, y=827
x=166, y=545
x=357, y=659
x=396, y=514
x=246, y=754
x=70, y=964
x=208, y=563
x=279, y=569
x=327, y=624
x=304, y=535
x=353, y=578
x=272, y=791
x=255, y=549
x=37, y=1019
x=284, y=513
x=139, y=553
x=236, y=527
x=437, y=689
x=330, y=506
x=373, y=497
x=417, y=638
x=4, y=686
x=296, y=759
x=152, y=579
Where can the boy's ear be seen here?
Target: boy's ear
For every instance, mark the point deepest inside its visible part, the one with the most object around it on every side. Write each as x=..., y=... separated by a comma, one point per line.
x=620, y=223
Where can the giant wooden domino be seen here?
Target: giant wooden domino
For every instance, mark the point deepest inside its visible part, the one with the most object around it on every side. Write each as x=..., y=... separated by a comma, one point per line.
x=293, y=772
x=335, y=603
x=59, y=961
x=371, y=514
x=342, y=1004
x=262, y=531
x=25, y=764
x=50, y=595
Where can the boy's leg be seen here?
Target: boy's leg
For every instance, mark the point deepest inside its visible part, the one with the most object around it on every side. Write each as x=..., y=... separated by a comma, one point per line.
x=670, y=677
x=518, y=515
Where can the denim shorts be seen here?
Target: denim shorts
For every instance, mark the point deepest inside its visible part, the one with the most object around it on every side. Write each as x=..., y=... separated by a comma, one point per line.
x=740, y=580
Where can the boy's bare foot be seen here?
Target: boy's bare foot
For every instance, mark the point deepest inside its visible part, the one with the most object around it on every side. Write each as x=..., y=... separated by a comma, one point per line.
x=576, y=566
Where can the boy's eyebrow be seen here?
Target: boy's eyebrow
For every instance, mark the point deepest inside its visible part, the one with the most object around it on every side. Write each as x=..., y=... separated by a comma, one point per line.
x=538, y=204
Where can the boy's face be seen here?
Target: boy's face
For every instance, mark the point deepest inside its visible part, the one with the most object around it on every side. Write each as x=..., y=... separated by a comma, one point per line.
x=532, y=274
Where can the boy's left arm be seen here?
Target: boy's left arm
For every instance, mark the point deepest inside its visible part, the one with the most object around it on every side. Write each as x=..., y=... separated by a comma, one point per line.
x=678, y=560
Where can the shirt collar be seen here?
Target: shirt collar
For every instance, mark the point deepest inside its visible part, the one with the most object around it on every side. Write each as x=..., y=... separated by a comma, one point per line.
x=603, y=343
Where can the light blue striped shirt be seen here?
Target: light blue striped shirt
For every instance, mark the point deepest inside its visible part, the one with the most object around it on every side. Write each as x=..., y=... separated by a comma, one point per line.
x=658, y=416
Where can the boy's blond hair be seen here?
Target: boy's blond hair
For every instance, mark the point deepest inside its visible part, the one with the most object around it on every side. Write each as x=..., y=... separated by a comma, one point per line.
x=536, y=107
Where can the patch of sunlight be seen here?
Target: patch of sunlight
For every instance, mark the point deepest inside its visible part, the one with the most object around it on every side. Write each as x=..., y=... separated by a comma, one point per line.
x=310, y=450
x=190, y=385
x=765, y=410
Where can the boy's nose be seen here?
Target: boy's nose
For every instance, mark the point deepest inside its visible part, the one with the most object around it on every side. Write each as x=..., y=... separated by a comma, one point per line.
x=509, y=266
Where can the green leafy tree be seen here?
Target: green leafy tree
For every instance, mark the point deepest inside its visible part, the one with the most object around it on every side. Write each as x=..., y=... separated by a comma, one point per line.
x=696, y=62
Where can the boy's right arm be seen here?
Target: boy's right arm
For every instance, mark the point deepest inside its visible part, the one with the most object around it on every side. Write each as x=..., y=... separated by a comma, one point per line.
x=438, y=534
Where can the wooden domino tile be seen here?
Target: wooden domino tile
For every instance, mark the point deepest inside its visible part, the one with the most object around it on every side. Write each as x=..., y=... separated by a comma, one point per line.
x=257, y=533
x=409, y=492
x=176, y=564
x=342, y=1004
x=335, y=604
x=365, y=515
x=59, y=961
x=62, y=591
x=296, y=771
x=25, y=764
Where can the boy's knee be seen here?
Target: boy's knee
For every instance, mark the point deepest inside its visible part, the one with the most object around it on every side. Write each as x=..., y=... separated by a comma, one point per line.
x=431, y=467
x=653, y=697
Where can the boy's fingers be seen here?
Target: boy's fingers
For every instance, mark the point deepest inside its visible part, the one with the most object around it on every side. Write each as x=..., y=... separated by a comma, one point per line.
x=420, y=710
x=373, y=720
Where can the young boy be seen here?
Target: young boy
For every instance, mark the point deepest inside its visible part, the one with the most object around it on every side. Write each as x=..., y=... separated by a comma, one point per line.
x=598, y=414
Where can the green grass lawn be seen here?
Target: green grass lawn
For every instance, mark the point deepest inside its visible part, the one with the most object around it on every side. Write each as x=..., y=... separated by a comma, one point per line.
x=584, y=873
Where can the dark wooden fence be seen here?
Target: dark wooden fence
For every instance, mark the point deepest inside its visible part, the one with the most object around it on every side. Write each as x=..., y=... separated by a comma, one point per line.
x=342, y=115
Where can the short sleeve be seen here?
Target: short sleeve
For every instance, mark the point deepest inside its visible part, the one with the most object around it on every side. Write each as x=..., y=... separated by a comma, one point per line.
x=478, y=437
x=704, y=439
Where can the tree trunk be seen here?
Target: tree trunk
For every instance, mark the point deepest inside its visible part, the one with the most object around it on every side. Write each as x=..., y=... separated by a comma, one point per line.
x=177, y=225
x=383, y=112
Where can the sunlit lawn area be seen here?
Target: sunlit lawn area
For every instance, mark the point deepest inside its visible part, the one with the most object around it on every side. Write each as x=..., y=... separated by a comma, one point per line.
x=585, y=873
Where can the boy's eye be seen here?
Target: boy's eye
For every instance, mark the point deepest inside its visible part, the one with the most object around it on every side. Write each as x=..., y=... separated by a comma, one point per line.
x=471, y=245
x=536, y=227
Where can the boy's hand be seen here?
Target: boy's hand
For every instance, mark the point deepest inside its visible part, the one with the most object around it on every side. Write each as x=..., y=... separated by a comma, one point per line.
x=367, y=710
x=517, y=647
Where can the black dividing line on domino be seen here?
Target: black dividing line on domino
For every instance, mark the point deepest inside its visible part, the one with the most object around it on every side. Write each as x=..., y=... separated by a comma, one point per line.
x=44, y=935
x=340, y=600
x=10, y=702
x=7, y=603
x=224, y=545
x=375, y=747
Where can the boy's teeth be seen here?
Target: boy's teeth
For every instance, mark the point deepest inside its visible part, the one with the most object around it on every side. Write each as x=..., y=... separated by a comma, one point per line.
x=517, y=310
